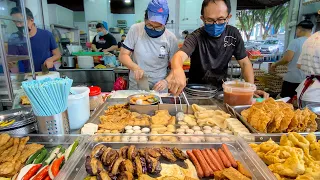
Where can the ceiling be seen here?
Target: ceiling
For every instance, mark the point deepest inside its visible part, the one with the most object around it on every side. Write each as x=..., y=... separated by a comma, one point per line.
x=77, y=5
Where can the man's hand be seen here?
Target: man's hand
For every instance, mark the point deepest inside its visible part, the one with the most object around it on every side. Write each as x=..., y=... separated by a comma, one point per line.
x=176, y=81
x=161, y=85
x=138, y=73
x=105, y=50
x=49, y=63
x=273, y=67
x=259, y=93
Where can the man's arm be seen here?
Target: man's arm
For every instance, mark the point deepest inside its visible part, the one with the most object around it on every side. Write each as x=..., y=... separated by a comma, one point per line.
x=112, y=48
x=56, y=56
x=288, y=56
x=247, y=70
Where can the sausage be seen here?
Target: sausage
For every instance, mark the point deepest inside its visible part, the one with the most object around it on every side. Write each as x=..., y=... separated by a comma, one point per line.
x=227, y=152
x=209, y=161
x=216, y=155
x=224, y=159
x=196, y=164
x=207, y=171
x=214, y=160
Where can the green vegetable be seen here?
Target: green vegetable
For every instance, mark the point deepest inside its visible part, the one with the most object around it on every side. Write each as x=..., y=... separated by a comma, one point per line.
x=52, y=155
x=41, y=156
x=71, y=149
x=33, y=157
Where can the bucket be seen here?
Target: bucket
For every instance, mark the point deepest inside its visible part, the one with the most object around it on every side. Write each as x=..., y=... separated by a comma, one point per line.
x=55, y=124
x=238, y=93
x=78, y=107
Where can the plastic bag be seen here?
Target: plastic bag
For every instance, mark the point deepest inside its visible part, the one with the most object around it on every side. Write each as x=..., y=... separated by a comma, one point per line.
x=120, y=84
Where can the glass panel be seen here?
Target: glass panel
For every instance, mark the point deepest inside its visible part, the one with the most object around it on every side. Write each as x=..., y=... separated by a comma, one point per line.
x=14, y=49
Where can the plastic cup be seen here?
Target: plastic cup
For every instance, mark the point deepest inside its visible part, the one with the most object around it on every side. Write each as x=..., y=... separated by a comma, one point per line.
x=238, y=93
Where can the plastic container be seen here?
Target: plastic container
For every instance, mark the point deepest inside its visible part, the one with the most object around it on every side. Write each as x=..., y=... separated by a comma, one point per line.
x=85, y=62
x=238, y=93
x=78, y=107
x=96, y=99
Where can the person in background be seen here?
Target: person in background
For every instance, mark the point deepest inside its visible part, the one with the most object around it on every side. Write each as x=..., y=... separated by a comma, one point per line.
x=44, y=48
x=210, y=49
x=185, y=33
x=294, y=76
x=308, y=91
x=103, y=41
x=123, y=37
x=151, y=47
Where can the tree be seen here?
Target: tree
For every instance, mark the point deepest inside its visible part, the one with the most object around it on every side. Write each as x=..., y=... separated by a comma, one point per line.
x=272, y=17
x=247, y=20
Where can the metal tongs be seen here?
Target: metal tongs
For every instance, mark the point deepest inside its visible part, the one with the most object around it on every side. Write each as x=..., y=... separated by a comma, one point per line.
x=175, y=102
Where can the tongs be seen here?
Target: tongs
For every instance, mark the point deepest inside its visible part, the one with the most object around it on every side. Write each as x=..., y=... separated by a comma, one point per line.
x=175, y=102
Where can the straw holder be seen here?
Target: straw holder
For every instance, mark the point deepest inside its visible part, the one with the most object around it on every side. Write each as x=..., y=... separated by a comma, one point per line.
x=56, y=124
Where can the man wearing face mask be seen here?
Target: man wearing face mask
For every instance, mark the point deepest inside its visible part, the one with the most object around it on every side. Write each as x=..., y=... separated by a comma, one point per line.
x=44, y=48
x=151, y=47
x=210, y=48
x=103, y=41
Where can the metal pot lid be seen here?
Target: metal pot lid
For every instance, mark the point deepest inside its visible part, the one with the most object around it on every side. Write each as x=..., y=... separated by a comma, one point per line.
x=16, y=118
x=201, y=88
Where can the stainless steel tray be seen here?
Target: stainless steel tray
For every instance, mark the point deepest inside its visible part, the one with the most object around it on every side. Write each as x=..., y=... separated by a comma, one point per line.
x=236, y=111
x=237, y=146
x=51, y=141
x=166, y=104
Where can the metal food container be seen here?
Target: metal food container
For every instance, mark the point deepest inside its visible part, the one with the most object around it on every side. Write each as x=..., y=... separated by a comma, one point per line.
x=236, y=111
x=51, y=141
x=238, y=147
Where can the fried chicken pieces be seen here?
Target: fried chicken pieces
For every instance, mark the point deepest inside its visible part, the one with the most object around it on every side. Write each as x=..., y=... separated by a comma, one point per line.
x=13, y=153
x=296, y=157
x=271, y=116
x=118, y=116
x=129, y=161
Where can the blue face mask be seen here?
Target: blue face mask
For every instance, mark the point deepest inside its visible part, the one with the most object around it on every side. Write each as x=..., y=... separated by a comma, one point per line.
x=100, y=33
x=215, y=30
x=153, y=33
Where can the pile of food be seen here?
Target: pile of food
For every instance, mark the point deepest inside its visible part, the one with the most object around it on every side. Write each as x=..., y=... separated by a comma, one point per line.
x=145, y=164
x=296, y=157
x=141, y=99
x=22, y=161
x=272, y=116
x=25, y=100
x=117, y=117
x=220, y=164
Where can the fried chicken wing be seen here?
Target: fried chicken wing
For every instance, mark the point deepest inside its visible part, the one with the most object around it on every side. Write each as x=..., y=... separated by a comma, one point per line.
x=179, y=154
x=167, y=153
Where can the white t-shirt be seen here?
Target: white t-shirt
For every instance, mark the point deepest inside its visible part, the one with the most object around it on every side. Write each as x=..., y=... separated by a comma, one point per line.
x=151, y=54
x=310, y=65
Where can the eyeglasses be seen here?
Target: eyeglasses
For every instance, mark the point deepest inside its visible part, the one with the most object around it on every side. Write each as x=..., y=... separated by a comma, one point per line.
x=218, y=21
x=155, y=28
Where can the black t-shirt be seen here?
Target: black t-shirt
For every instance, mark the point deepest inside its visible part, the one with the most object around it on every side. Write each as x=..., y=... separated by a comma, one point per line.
x=210, y=55
x=104, y=42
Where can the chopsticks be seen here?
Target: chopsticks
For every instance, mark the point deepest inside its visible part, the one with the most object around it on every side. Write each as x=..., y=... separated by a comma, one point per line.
x=48, y=96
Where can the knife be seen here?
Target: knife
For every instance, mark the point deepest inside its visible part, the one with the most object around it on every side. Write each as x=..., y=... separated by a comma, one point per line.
x=143, y=83
x=45, y=70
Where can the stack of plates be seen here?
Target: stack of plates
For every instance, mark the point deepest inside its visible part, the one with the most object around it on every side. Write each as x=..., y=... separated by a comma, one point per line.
x=200, y=90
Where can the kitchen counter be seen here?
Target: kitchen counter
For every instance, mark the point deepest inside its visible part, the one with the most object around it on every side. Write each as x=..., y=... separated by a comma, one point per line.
x=104, y=78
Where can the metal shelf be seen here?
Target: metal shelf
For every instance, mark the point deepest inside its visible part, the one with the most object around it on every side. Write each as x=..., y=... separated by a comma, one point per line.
x=65, y=27
x=2, y=17
x=15, y=58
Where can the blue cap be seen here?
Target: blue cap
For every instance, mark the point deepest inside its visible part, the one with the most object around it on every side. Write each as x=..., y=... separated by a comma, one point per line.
x=158, y=11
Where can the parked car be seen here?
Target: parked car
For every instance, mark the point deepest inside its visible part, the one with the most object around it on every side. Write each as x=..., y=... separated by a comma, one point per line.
x=250, y=45
x=271, y=47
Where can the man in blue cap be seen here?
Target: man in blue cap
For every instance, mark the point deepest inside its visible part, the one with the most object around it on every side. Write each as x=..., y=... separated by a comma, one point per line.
x=151, y=47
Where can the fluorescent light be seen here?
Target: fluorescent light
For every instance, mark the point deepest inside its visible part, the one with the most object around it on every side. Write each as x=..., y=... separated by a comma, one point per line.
x=127, y=1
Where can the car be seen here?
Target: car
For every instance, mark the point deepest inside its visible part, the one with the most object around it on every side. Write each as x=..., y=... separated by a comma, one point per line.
x=271, y=47
x=250, y=45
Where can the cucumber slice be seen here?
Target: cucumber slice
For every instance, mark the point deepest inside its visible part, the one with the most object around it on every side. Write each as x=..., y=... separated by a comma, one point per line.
x=41, y=156
x=71, y=149
x=33, y=157
x=53, y=155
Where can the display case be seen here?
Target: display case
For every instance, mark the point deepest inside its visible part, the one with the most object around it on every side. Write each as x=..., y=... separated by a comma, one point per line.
x=15, y=52
x=238, y=147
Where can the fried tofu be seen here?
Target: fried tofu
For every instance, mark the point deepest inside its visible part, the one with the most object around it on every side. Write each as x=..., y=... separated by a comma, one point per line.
x=233, y=174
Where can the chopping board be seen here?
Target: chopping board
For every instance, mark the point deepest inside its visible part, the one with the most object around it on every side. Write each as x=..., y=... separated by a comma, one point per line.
x=40, y=76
